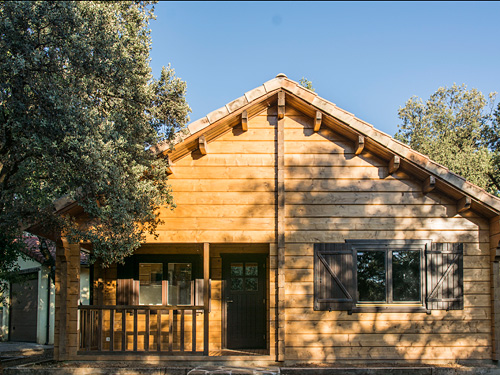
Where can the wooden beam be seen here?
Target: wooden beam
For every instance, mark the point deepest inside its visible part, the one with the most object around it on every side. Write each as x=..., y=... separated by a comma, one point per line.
x=281, y=104
x=244, y=121
x=359, y=145
x=202, y=145
x=280, y=200
x=394, y=164
x=206, y=290
x=317, y=121
x=429, y=184
x=464, y=204
x=169, y=165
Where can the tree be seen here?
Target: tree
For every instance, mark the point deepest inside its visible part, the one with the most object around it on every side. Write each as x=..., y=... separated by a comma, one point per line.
x=79, y=110
x=455, y=127
x=304, y=82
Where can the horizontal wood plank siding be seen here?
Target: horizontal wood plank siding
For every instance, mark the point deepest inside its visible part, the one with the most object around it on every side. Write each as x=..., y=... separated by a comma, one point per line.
x=228, y=196
x=333, y=195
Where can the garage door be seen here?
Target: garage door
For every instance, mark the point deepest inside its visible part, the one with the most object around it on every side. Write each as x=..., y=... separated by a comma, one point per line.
x=23, y=314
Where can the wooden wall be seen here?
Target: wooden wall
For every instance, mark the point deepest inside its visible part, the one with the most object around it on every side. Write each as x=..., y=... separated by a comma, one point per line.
x=228, y=196
x=333, y=195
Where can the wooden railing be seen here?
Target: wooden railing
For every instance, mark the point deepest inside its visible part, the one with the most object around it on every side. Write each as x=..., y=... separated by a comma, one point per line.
x=165, y=329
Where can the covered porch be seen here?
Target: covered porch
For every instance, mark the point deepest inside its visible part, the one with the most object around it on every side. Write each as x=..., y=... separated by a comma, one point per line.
x=227, y=281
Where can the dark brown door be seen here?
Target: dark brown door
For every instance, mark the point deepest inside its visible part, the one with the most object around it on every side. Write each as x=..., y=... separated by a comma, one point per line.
x=245, y=300
x=23, y=313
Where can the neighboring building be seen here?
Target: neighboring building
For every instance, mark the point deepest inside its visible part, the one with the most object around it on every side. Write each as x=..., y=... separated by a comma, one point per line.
x=28, y=315
x=301, y=234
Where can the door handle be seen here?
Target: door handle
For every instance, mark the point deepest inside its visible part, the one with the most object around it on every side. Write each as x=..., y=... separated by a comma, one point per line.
x=229, y=301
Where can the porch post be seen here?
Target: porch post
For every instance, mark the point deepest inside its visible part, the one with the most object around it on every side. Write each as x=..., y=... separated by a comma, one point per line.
x=495, y=285
x=67, y=288
x=206, y=290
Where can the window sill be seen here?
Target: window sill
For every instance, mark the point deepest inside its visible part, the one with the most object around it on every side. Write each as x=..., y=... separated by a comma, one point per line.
x=389, y=309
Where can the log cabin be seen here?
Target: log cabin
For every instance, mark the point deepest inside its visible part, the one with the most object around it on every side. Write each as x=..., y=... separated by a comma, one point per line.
x=302, y=234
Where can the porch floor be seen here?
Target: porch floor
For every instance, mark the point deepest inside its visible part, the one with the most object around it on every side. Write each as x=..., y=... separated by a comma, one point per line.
x=231, y=352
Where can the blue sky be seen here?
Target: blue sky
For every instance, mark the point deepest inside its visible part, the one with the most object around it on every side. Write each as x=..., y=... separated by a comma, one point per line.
x=369, y=58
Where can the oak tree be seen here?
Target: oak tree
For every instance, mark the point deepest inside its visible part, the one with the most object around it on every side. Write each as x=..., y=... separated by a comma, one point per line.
x=79, y=111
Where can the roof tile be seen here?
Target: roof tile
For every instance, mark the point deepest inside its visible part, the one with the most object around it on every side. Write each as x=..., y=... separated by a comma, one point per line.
x=255, y=93
x=323, y=105
x=304, y=93
x=273, y=84
x=198, y=125
x=217, y=114
x=237, y=104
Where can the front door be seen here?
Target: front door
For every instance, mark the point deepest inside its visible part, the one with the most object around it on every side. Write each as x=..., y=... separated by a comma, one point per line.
x=245, y=300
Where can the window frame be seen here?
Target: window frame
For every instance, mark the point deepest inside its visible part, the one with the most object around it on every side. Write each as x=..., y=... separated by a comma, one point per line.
x=389, y=246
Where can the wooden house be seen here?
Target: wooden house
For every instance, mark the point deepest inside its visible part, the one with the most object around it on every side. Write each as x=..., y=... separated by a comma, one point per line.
x=301, y=234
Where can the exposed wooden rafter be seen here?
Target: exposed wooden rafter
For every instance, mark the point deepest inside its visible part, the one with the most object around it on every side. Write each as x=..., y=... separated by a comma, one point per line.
x=244, y=121
x=394, y=164
x=202, y=145
x=359, y=145
x=429, y=184
x=169, y=165
x=464, y=204
x=317, y=121
x=281, y=104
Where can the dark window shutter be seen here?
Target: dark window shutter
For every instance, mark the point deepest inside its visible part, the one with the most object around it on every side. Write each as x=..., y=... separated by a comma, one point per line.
x=127, y=292
x=445, y=276
x=333, y=277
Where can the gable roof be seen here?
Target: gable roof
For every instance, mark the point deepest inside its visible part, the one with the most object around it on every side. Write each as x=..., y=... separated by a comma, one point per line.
x=379, y=143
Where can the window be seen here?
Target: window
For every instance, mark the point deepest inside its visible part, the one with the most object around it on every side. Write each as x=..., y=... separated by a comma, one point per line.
x=388, y=273
x=363, y=274
x=179, y=283
x=150, y=283
x=160, y=279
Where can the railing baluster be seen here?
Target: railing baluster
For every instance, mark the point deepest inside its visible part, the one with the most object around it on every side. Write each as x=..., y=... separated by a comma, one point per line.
x=171, y=330
x=112, y=330
x=100, y=312
x=136, y=330
x=158, y=330
x=124, y=330
x=182, y=330
x=193, y=331
x=146, y=338
x=89, y=330
x=82, y=330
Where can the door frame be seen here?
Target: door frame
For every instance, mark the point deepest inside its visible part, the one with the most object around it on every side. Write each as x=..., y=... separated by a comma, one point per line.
x=259, y=257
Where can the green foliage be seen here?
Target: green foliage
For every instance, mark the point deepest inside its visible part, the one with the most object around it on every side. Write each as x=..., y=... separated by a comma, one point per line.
x=79, y=111
x=456, y=128
x=304, y=82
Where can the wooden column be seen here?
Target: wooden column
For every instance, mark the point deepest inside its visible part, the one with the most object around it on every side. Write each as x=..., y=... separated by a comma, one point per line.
x=206, y=290
x=495, y=285
x=67, y=288
x=280, y=313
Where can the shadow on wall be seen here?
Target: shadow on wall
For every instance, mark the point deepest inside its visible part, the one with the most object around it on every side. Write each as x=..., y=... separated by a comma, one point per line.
x=333, y=195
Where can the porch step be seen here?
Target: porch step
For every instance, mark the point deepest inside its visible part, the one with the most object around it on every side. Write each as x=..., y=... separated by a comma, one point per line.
x=55, y=368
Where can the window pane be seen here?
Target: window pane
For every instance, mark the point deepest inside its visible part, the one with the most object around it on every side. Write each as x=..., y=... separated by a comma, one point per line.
x=251, y=284
x=371, y=276
x=251, y=269
x=236, y=283
x=236, y=269
x=406, y=276
x=150, y=278
x=179, y=283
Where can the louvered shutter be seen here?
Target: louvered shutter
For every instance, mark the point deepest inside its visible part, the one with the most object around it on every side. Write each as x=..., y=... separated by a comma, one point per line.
x=333, y=277
x=445, y=276
x=127, y=292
